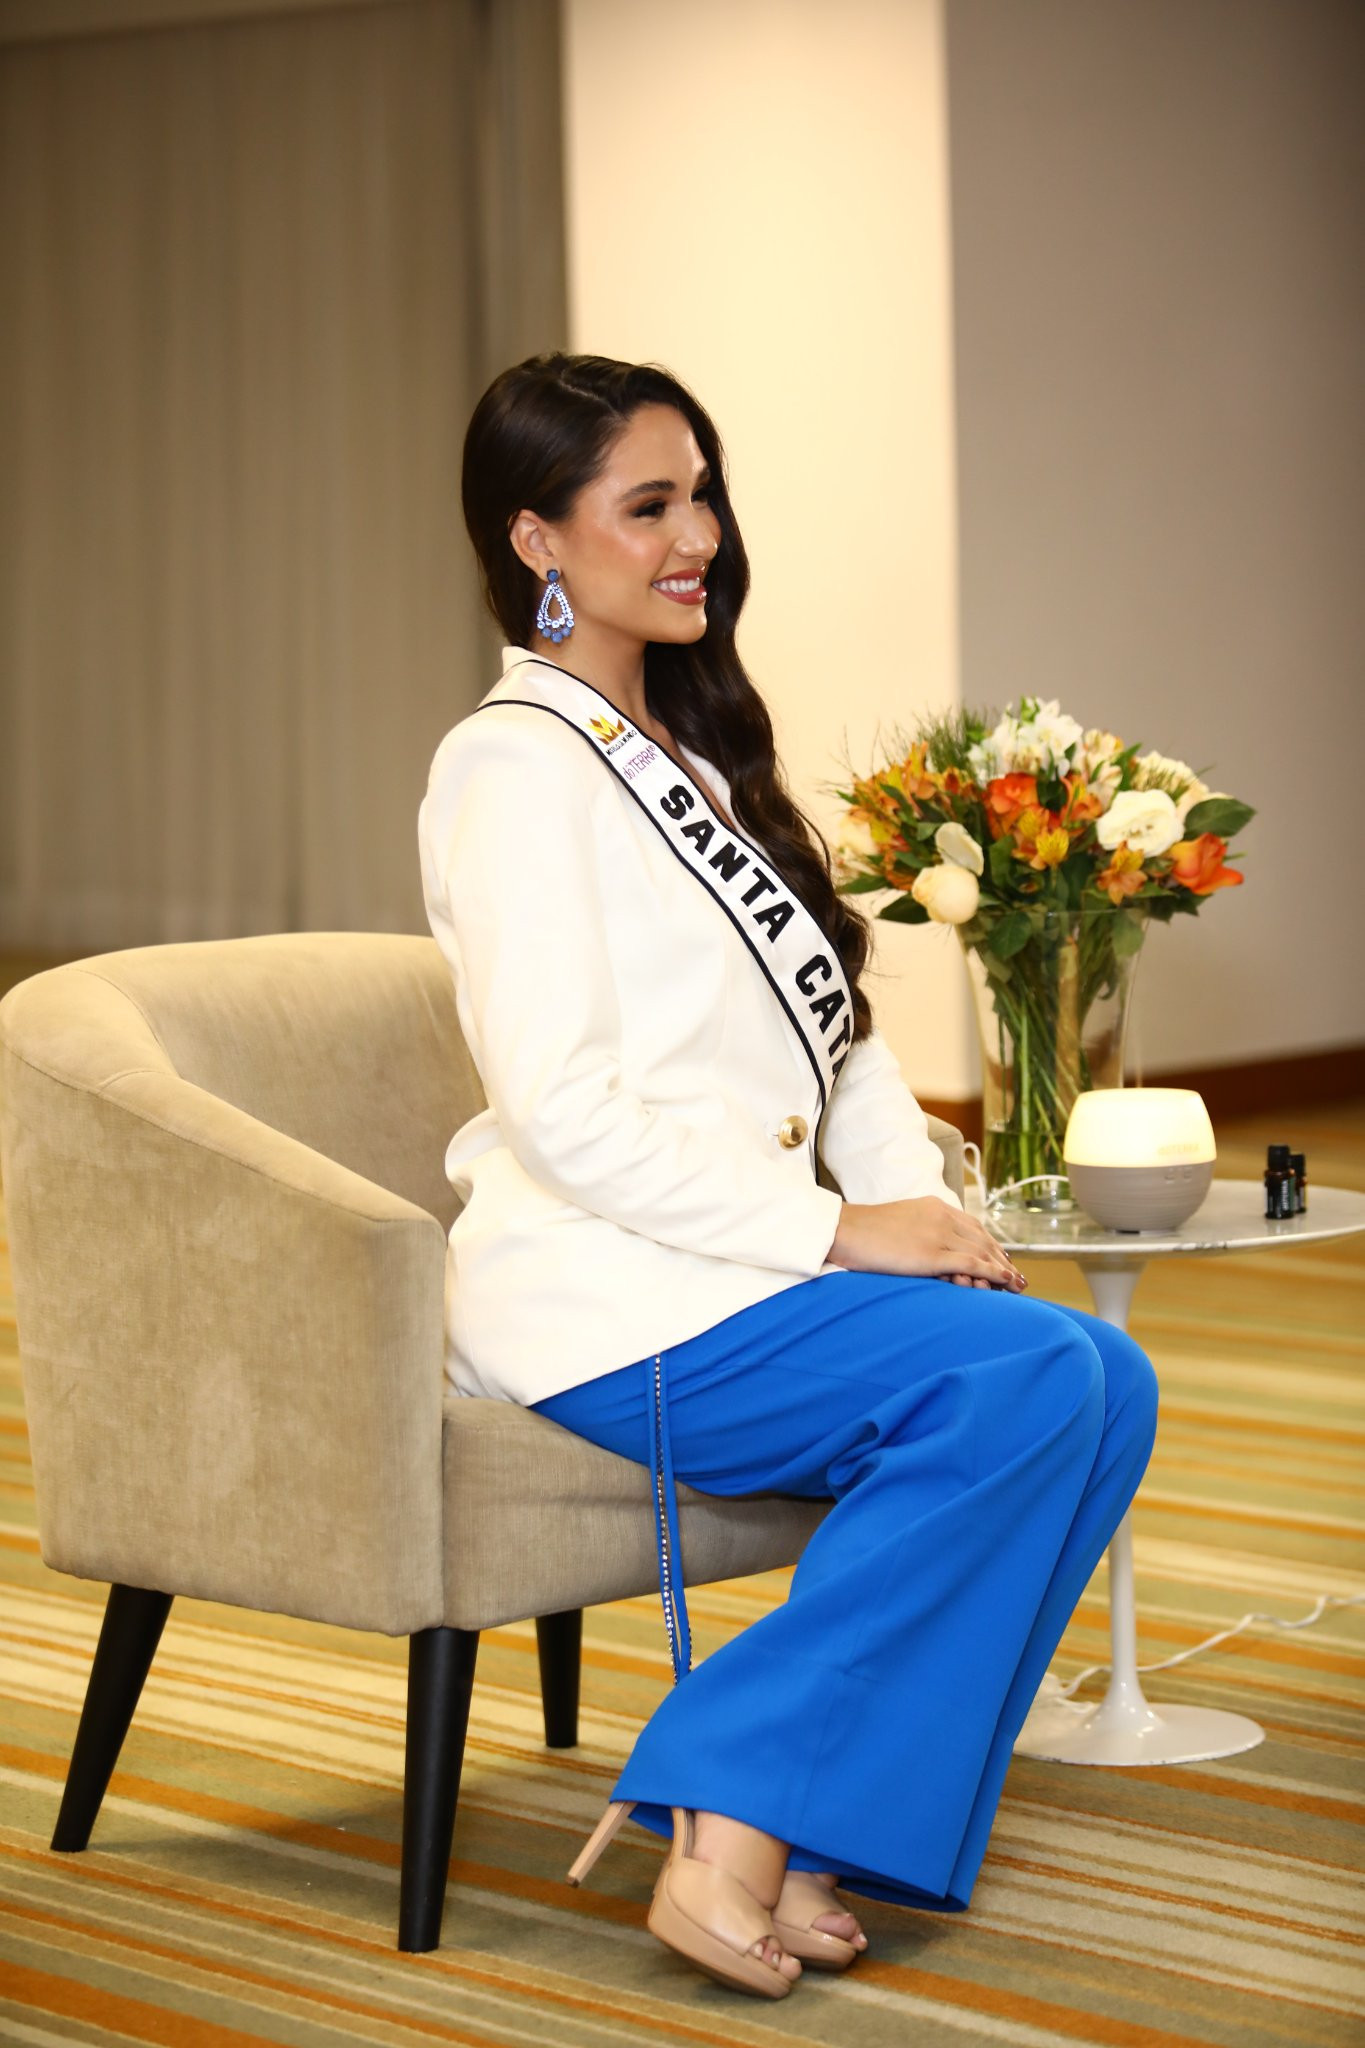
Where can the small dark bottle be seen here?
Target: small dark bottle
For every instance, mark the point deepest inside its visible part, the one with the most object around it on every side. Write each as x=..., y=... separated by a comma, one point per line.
x=1296, y=1160
x=1279, y=1182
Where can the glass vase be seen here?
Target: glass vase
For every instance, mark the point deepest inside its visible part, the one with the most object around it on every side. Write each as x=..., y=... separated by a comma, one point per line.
x=1052, y=1020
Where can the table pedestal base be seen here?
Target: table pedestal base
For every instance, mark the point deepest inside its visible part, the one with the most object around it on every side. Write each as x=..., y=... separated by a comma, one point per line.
x=1123, y=1728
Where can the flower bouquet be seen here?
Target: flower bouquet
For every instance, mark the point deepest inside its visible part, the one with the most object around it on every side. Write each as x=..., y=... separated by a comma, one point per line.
x=1049, y=848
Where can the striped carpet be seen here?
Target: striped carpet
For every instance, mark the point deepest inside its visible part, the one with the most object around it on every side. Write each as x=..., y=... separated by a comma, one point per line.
x=244, y=1880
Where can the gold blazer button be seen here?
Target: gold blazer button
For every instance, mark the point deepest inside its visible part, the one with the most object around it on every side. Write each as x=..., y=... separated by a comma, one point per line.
x=792, y=1131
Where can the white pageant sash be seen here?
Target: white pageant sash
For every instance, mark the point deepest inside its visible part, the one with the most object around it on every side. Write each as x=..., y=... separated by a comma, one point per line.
x=798, y=962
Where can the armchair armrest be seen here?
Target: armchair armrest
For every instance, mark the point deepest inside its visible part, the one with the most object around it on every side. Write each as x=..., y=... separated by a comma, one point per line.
x=949, y=1140
x=231, y=1349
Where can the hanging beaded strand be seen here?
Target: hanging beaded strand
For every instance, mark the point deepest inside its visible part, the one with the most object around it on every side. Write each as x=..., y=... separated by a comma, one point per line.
x=559, y=628
x=675, y=1611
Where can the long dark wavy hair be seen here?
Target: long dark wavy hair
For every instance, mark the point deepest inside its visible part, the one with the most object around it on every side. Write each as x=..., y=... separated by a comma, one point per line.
x=542, y=430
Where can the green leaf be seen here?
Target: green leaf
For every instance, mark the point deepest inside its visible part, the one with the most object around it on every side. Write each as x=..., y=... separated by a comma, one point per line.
x=905, y=910
x=1002, y=861
x=926, y=828
x=1127, y=933
x=862, y=884
x=1221, y=814
x=1013, y=932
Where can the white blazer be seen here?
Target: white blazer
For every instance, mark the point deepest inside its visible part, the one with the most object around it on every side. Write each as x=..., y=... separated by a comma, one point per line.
x=627, y=1186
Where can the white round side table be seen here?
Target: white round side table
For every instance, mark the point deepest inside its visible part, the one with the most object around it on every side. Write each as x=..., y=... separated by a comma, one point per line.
x=1124, y=1727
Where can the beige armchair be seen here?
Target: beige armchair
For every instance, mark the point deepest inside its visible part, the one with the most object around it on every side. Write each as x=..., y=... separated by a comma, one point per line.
x=223, y=1164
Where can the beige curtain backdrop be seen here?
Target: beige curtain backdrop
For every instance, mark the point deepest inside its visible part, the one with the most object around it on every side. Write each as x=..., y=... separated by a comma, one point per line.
x=255, y=270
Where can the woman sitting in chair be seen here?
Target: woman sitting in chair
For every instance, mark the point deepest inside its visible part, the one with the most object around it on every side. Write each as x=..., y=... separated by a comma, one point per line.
x=659, y=986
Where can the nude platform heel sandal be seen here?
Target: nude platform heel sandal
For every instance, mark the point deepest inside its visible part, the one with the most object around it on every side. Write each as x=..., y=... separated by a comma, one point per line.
x=699, y=1910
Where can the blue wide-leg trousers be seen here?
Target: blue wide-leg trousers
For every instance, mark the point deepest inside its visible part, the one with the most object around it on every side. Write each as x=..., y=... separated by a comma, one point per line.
x=980, y=1448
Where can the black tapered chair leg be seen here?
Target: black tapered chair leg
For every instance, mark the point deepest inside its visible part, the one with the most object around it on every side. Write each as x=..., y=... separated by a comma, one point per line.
x=559, y=1638
x=440, y=1683
x=133, y=1621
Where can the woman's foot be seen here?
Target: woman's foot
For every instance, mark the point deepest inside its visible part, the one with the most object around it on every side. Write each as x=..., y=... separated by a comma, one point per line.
x=759, y=1861
x=838, y=1922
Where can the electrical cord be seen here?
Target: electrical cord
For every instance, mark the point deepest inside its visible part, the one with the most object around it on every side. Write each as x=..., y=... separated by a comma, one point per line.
x=988, y=1201
x=1319, y=1608
x=1055, y=1689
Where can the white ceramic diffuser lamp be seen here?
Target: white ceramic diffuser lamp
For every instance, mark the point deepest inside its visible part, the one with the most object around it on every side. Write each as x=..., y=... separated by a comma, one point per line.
x=1139, y=1158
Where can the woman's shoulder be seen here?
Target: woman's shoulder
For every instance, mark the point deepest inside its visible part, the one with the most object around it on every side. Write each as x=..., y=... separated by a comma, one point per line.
x=523, y=738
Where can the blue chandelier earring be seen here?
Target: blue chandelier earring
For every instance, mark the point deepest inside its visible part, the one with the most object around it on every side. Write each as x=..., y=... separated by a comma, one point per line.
x=557, y=628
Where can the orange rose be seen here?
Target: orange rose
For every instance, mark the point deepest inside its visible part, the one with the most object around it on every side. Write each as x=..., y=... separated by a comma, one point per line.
x=1006, y=797
x=1197, y=864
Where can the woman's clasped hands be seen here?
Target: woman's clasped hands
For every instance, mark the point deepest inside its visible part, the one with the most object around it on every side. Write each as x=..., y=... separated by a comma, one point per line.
x=924, y=1236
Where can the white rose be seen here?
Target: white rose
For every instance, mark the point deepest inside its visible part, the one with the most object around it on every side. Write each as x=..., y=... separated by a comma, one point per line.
x=1146, y=818
x=948, y=892
x=956, y=843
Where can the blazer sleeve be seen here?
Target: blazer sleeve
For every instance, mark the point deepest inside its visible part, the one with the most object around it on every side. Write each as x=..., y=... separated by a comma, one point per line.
x=507, y=830
x=874, y=1137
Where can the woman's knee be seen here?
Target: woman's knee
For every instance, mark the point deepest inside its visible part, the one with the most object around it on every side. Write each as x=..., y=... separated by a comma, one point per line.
x=1042, y=1391
x=1059, y=1371
x=1131, y=1390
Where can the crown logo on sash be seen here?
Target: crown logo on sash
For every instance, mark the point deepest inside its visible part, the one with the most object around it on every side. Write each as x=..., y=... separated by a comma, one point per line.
x=607, y=729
